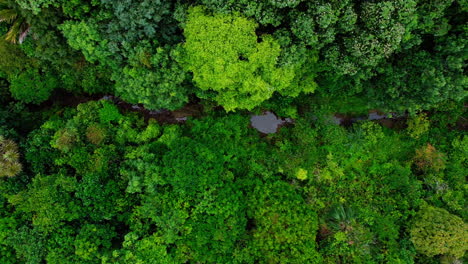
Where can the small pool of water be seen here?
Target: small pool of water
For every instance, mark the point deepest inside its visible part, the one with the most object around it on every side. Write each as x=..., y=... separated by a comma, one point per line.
x=268, y=123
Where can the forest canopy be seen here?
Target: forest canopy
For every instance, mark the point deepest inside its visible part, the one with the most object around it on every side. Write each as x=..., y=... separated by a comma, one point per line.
x=233, y=131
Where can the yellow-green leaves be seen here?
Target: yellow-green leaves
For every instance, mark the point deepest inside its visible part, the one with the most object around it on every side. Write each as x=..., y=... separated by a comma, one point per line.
x=418, y=125
x=226, y=56
x=437, y=232
x=301, y=174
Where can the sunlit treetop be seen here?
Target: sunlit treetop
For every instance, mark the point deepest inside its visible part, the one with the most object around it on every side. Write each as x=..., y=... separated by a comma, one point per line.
x=226, y=56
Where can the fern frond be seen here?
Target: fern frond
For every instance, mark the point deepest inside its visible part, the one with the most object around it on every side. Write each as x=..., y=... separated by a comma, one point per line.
x=3, y=4
x=8, y=15
x=10, y=36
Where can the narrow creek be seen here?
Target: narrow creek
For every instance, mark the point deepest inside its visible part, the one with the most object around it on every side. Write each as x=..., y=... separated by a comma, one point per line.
x=390, y=120
x=163, y=116
x=268, y=122
x=265, y=123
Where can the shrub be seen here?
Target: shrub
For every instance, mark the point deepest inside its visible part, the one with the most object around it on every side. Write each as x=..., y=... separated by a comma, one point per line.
x=437, y=232
x=32, y=87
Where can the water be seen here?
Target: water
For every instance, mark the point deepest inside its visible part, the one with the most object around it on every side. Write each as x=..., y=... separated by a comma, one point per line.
x=268, y=123
x=386, y=119
x=108, y=97
x=376, y=116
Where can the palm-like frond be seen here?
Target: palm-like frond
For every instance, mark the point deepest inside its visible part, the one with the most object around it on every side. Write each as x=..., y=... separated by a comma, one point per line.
x=8, y=15
x=341, y=218
x=9, y=158
x=3, y=4
x=16, y=30
x=19, y=28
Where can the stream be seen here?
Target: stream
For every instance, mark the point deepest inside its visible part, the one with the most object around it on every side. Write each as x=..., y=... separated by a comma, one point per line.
x=265, y=123
x=163, y=116
x=268, y=122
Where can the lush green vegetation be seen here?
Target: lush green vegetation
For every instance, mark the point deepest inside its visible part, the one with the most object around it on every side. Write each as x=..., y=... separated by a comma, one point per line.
x=90, y=180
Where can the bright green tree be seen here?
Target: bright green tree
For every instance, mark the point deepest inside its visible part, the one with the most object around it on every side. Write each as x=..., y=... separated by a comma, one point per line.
x=226, y=56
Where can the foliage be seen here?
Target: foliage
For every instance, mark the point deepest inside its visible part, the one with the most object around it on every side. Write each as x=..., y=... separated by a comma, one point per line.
x=12, y=59
x=67, y=191
x=437, y=232
x=113, y=181
x=345, y=167
x=190, y=193
x=32, y=86
x=418, y=126
x=422, y=79
x=19, y=28
x=85, y=37
x=36, y=6
x=9, y=158
x=284, y=225
x=49, y=198
x=428, y=158
x=224, y=55
x=155, y=81
x=144, y=71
